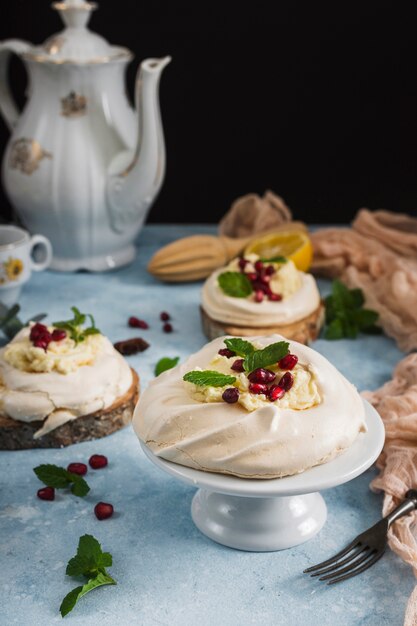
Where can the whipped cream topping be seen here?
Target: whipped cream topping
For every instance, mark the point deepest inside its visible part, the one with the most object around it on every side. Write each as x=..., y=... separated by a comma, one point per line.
x=58, y=397
x=299, y=290
x=267, y=442
x=303, y=394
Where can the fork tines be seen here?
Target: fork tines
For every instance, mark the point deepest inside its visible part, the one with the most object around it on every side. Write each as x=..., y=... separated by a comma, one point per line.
x=358, y=557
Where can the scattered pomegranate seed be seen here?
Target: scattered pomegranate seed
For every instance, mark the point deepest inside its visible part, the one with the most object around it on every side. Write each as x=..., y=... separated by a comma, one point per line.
x=238, y=365
x=259, y=295
x=259, y=266
x=275, y=393
x=135, y=322
x=46, y=493
x=288, y=362
x=286, y=381
x=103, y=510
x=77, y=468
x=98, y=461
x=58, y=334
x=252, y=276
x=261, y=375
x=242, y=264
x=274, y=297
x=164, y=316
x=226, y=352
x=167, y=328
x=269, y=270
x=258, y=388
x=231, y=395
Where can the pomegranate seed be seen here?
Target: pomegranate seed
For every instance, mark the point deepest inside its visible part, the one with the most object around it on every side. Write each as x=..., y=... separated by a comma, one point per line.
x=275, y=393
x=46, y=493
x=259, y=266
x=242, y=264
x=264, y=278
x=274, y=297
x=231, y=395
x=37, y=331
x=58, y=334
x=238, y=365
x=258, y=388
x=41, y=343
x=226, y=352
x=252, y=276
x=135, y=322
x=286, y=381
x=269, y=270
x=167, y=328
x=97, y=461
x=164, y=316
x=259, y=295
x=103, y=510
x=263, y=287
x=261, y=375
x=77, y=468
x=288, y=362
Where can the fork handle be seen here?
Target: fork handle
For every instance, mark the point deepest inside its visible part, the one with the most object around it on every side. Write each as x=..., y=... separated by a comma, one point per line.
x=409, y=504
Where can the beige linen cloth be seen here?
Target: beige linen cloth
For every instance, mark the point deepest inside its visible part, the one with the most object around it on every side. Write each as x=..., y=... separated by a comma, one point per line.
x=379, y=255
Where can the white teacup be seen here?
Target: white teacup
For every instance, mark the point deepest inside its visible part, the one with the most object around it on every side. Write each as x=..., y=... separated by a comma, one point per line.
x=16, y=260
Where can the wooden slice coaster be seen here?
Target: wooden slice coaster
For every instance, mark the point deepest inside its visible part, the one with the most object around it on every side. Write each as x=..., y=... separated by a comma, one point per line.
x=15, y=435
x=303, y=331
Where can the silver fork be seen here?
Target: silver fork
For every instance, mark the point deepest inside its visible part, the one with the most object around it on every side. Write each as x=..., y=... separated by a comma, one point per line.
x=365, y=550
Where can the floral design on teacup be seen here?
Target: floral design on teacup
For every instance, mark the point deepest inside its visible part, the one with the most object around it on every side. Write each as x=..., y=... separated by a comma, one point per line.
x=11, y=270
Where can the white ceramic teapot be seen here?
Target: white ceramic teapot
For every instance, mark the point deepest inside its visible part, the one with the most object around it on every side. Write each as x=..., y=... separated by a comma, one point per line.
x=82, y=167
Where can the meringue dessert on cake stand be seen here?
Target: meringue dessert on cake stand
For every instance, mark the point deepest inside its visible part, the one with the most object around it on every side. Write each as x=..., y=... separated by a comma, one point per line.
x=260, y=425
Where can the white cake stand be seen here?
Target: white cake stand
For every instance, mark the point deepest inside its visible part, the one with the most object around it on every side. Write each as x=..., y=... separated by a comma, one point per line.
x=267, y=515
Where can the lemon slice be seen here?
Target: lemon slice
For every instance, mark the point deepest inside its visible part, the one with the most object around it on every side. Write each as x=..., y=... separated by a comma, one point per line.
x=294, y=245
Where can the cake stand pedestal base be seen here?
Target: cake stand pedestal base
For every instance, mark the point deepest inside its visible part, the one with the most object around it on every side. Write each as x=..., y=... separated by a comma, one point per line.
x=258, y=524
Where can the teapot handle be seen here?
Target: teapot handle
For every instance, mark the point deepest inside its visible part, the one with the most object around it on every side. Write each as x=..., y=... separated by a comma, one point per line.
x=7, y=104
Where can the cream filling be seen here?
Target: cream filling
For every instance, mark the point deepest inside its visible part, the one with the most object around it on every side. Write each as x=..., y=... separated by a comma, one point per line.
x=300, y=298
x=304, y=393
x=267, y=442
x=58, y=398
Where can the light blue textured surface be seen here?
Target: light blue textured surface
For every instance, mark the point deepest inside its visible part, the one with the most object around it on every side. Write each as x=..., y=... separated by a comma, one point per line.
x=167, y=572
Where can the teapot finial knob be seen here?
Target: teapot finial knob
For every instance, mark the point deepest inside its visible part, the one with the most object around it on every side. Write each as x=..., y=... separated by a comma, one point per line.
x=75, y=13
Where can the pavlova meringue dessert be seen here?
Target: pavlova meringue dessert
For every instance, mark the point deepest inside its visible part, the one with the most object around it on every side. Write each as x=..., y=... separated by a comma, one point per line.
x=61, y=384
x=252, y=296
x=255, y=408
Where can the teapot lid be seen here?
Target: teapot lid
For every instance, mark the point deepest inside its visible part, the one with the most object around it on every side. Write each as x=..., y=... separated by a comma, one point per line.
x=76, y=44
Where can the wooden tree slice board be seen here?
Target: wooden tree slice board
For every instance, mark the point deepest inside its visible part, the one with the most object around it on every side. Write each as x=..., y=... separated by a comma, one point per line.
x=15, y=435
x=303, y=331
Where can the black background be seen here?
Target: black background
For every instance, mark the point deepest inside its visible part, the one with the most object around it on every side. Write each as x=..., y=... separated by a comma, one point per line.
x=315, y=101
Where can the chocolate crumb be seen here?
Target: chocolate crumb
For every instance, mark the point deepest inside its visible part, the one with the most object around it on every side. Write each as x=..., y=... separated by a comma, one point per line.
x=131, y=346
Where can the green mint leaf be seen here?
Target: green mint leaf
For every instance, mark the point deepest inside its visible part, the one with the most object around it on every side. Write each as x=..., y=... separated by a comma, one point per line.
x=79, y=487
x=59, y=478
x=268, y=356
x=357, y=298
x=334, y=330
x=365, y=318
x=235, y=284
x=74, y=326
x=89, y=560
x=240, y=346
x=275, y=259
x=71, y=599
x=209, y=378
x=53, y=476
x=166, y=363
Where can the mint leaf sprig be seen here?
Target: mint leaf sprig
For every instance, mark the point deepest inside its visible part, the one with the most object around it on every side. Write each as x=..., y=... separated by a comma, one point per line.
x=235, y=284
x=166, y=363
x=74, y=325
x=345, y=315
x=60, y=478
x=90, y=562
x=240, y=346
x=208, y=378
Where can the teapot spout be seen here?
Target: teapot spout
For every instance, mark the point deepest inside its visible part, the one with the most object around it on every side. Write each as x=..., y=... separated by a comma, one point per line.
x=135, y=179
